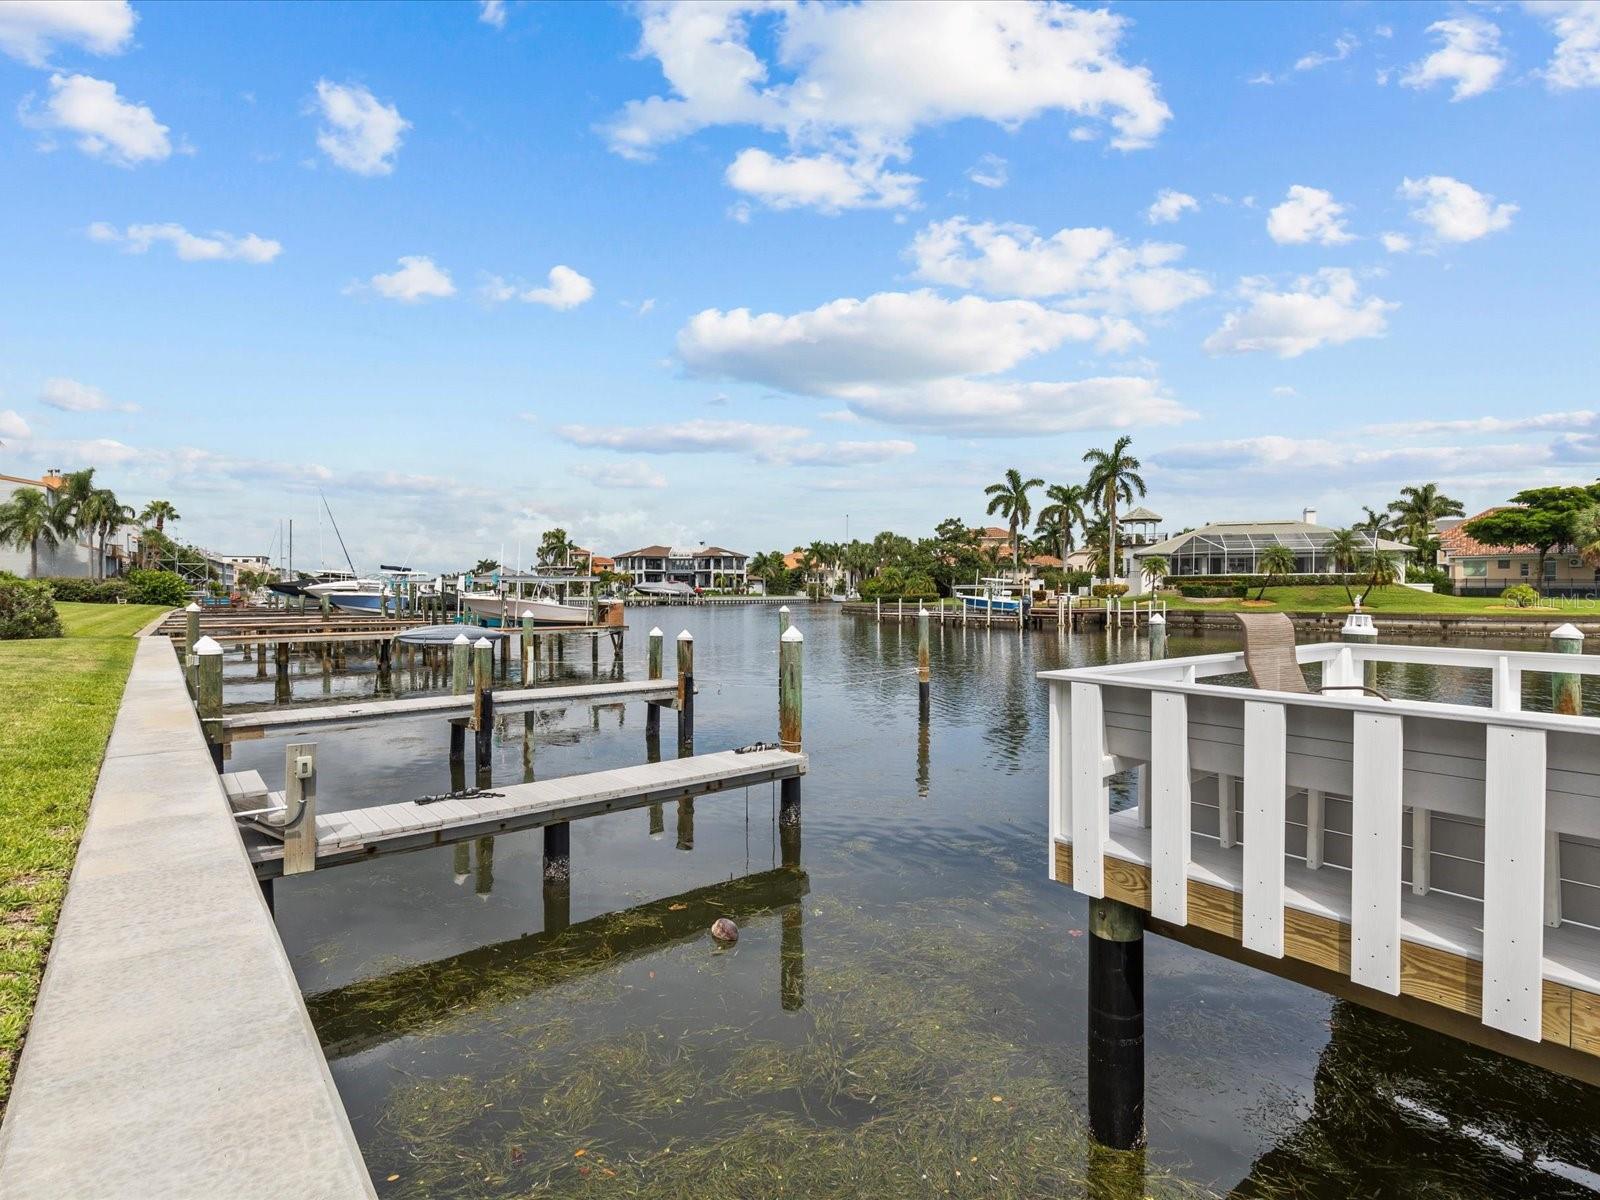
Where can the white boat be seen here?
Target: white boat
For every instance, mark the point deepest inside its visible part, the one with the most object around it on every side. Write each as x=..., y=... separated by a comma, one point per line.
x=543, y=609
x=666, y=590
x=352, y=595
x=1001, y=597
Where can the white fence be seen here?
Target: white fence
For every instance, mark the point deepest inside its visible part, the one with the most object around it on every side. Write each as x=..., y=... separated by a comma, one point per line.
x=1474, y=830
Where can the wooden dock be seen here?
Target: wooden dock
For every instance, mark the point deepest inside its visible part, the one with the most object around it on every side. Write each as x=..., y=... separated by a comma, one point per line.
x=358, y=834
x=1069, y=612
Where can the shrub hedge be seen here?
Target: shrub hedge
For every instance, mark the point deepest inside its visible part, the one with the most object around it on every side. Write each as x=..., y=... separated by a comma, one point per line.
x=1520, y=595
x=87, y=591
x=156, y=587
x=27, y=609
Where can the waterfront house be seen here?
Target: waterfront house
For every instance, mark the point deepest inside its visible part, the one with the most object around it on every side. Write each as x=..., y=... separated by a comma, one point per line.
x=1235, y=547
x=1479, y=569
x=74, y=557
x=709, y=568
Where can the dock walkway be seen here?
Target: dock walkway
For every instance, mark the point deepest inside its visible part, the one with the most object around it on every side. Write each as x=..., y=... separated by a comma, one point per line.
x=357, y=834
x=170, y=1053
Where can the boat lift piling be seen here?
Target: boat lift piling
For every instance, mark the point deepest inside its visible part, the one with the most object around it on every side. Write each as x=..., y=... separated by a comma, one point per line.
x=685, y=693
x=791, y=647
x=652, y=714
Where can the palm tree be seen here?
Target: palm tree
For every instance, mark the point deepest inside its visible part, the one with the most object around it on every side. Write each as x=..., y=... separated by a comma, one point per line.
x=1274, y=562
x=1009, y=498
x=99, y=515
x=159, y=511
x=1345, y=549
x=1418, y=508
x=554, y=548
x=1113, y=476
x=1380, y=570
x=1063, y=512
x=1586, y=535
x=29, y=518
x=1156, y=566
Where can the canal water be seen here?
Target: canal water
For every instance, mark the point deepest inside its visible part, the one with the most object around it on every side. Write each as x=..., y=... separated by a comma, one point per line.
x=902, y=1015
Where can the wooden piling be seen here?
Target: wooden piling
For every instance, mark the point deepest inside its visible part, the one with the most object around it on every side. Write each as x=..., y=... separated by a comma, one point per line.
x=685, y=692
x=482, y=703
x=923, y=679
x=558, y=852
x=1116, y=1024
x=191, y=638
x=1566, y=690
x=791, y=647
x=208, y=694
x=525, y=643
x=652, y=712
x=783, y=620
x=300, y=807
x=1158, y=635
x=460, y=665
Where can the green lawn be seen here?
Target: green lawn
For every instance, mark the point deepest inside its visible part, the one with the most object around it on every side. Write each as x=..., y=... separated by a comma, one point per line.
x=58, y=698
x=1381, y=600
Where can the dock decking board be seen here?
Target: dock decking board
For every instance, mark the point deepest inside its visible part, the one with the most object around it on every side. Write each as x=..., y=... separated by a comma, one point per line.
x=353, y=835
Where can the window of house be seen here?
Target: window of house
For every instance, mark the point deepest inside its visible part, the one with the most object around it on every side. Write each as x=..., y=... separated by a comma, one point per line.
x=1502, y=564
x=1550, y=566
x=1475, y=568
x=1524, y=570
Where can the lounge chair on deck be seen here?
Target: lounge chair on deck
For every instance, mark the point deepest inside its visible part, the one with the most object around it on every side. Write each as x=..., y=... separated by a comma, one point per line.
x=1269, y=657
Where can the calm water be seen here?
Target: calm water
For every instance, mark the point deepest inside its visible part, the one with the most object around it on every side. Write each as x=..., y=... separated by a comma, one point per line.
x=902, y=1016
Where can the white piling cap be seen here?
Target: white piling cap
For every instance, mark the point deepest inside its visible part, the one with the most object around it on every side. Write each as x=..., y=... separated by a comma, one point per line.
x=461, y=640
x=923, y=611
x=482, y=643
x=1156, y=619
x=792, y=634
x=1358, y=624
x=656, y=632
x=208, y=645
x=783, y=608
x=193, y=607
x=686, y=636
x=1567, y=633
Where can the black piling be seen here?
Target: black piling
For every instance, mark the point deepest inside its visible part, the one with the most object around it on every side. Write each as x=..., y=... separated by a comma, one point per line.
x=1116, y=1024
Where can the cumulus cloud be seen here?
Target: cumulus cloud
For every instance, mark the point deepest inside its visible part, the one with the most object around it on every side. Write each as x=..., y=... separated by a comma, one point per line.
x=626, y=475
x=1289, y=458
x=190, y=247
x=31, y=29
x=1089, y=268
x=1576, y=24
x=1343, y=45
x=821, y=181
x=1395, y=243
x=1469, y=57
x=857, y=81
x=492, y=12
x=419, y=278
x=1455, y=211
x=12, y=426
x=1575, y=419
x=1169, y=206
x=565, y=289
x=787, y=445
x=1002, y=408
x=990, y=171
x=1308, y=214
x=68, y=395
x=359, y=132
x=107, y=126
x=1325, y=309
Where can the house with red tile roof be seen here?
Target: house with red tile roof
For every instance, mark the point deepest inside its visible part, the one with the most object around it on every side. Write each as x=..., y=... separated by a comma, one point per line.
x=1479, y=569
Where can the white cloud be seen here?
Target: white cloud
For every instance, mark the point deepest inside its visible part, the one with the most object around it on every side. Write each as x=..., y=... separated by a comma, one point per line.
x=418, y=278
x=359, y=132
x=821, y=181
x=1308, y=214
x=1343, y=460
x=1092, y=268
x=1455, y=211
x=627, y=475
x=13, y=426
x=68, y=395
x=1469, y=56
x=1395, y=243
x=566, y=289
x=888, y=339
x=1574, y=420
x=108, y=127
x=1325, y=309
x=1283, y=391
x=1169, y=206
x=31, y=29
x=492, y=12
x=855, y=82
x=1576, y=24
x=1342, y=47
x=1001, y=408
x=990, y=171
x=787, y=445
x=190, y=247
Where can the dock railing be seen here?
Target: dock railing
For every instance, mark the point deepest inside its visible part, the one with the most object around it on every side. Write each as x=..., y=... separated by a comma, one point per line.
x=1371, y=836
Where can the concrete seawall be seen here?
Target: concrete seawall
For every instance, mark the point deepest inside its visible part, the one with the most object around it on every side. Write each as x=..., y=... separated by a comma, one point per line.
x=170, y=1053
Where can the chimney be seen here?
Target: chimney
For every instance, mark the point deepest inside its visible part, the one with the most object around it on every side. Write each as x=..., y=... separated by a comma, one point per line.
x=1309, y=516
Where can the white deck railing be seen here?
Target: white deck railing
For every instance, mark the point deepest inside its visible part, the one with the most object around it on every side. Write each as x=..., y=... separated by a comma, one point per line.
x=1502, y=805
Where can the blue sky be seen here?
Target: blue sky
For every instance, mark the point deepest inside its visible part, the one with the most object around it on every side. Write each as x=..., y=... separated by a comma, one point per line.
x=729, y=273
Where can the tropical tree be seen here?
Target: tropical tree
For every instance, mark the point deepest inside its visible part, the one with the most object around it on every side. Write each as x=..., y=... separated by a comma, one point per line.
x=1113, y=477
x=1586, y=530
x=1156, y=566
x=769, y=567
x=554, y=548
x=99, y=516
x=29, y=518
x=1009, y=498
x=1065, y=510
x=1380, y=569
x=159, y=512
x=1345, y=548
x=1418, y=509
x=1275, y=562
x=1545, y=518
x=486, y=566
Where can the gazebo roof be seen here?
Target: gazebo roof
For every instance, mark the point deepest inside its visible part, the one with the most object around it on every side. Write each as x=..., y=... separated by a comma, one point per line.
x=1140, y=515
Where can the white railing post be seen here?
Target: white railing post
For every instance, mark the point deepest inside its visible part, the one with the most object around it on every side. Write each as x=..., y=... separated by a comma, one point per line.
x=1170, y=807
x=1507, y=690
x=1513, y=880
x=1091, y=818
x=1060, y=768
x=1377, y=768
x=1265, y=769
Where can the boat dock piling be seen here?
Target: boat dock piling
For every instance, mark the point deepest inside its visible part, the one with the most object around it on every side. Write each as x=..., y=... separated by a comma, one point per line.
x=1068, y=612
x=790, y=649
x=685, y=696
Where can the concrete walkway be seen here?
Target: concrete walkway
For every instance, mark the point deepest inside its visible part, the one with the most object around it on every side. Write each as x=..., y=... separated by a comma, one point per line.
x=170, y=1054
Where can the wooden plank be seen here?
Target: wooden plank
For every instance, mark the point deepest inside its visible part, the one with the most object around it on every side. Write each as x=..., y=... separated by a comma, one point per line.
x=1265, y=789
x=1513, y=880
x=1585, y=1021
x=1171, y=807
x=1375, y=854
x=1060, y=769
x=1090, y=813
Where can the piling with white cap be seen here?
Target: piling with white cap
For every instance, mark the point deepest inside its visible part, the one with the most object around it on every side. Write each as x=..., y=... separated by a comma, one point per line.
x=923, y=679
x=1158, y=635
x=783, y=620
x=191, y=636
x=1359, y=629
x=652, y=711
x=482, y=705
x=685, y=693
x=1566, y=690
x=208, y=693
x=790, y=650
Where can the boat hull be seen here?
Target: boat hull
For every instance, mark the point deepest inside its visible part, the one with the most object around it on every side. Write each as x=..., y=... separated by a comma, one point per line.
x=543, y=612
x=994, y=604
x=357, y=602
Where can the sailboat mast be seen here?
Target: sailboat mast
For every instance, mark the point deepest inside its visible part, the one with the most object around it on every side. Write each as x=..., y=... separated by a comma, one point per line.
x=334, y=522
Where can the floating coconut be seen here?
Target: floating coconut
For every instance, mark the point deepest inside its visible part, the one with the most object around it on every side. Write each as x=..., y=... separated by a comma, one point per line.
x=724, y=930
